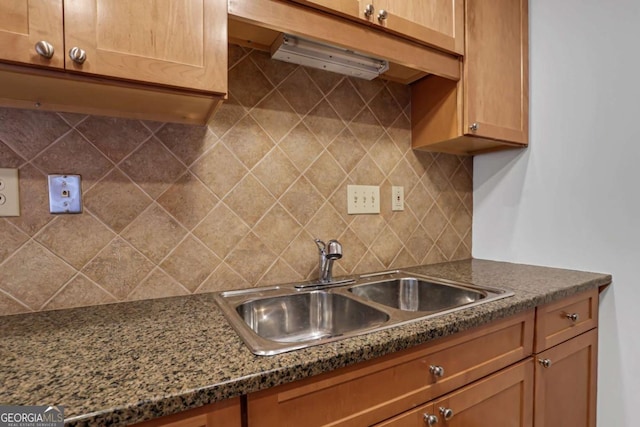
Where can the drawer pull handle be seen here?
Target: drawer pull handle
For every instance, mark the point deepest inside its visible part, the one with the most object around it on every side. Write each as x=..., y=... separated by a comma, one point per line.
x=45, y=49
x=446, y=413
x=546, y=363
x=368, y=10
x=573, y=317
x=77, y=55
x=436, y=371
x=430, y=420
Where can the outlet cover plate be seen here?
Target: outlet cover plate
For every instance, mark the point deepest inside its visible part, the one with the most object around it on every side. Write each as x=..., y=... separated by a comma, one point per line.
x=363, y=199
x=397, y=198
x=9, y=192
x=65, y=194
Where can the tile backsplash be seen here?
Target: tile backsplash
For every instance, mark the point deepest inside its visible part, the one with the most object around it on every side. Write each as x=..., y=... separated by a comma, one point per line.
x=173, y=209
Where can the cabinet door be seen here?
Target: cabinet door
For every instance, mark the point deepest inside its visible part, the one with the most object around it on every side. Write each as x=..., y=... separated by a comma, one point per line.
x=23, y=23
x=496, y=70
x=503, y=399
x=566, y=390
x=180, y=43
x=439, y=23
x=348, y=8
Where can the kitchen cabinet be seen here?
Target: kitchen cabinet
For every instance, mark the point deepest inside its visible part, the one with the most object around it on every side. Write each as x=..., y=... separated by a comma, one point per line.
x=500, y=400
x=377, y=390
x=221, y=414
x=147, y=59
x=566, y=368
x=488, y=109
x=436, y=23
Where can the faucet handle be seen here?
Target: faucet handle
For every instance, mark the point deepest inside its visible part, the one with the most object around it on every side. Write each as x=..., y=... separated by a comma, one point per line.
x=321, y=245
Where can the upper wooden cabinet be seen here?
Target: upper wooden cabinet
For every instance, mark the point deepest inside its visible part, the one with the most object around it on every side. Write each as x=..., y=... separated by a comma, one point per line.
x=161, y=60
x=437, y=23
x=489, y=108
x=23, y=24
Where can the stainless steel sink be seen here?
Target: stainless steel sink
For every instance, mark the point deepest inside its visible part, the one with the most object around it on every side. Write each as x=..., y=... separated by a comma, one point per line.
x=415, y=294
x=308, y=316
x=277, y=319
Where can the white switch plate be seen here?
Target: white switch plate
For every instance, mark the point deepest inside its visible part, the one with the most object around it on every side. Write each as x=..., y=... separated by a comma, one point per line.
x=65, y=194
x=397, y=198
x=9, y=192
x=363, y=199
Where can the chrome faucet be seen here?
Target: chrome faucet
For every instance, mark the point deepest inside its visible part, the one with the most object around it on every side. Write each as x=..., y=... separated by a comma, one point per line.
x=329, y=252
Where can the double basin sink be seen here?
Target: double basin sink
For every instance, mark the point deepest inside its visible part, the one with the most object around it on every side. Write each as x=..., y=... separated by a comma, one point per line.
x=277, y=319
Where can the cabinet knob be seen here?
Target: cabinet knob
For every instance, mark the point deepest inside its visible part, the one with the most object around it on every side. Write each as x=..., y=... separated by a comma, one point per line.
x=446, y=413
x=45, y=49
x=474, y=127
x=77, y=55
x=573, y=317
x=436, y=371
x=430, y=420
x=382, y=15
x=368, y=10
x=546, y=363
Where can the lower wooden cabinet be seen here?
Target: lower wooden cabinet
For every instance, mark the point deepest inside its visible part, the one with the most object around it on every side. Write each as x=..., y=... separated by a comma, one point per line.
x=503, y=399
x=565, y=383
x=220, y=414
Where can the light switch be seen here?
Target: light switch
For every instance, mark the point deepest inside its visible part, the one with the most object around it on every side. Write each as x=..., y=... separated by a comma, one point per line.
x=363, y=199
x=65, y=194
x=9, y=192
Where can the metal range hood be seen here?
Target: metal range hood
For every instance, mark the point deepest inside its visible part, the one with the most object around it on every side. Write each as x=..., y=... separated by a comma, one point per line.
x=313, y=54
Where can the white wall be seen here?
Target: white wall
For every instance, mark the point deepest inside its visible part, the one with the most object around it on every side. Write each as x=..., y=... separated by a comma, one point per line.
x=572, y=199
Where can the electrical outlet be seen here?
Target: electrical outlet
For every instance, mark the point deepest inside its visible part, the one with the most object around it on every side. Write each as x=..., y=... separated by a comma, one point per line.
x=397, y=198
x=65, y=194
x=9, y=192
x=363, y=199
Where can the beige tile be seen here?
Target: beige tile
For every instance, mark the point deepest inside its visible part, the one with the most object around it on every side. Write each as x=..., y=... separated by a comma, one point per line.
x=227, y=115
x=75, y=238
x=345, y=100
x=279, y=273
x=347, y=150
x=323, y=79
x=385, y=153
x=301, y=146
x=72, y=118
x=448, y=242
x=115, y=137
x=367, y=227
x=434, y=256
x=369, y=264
x=419, y=200
x=277, y=229
x=235, y=53
x=221, y=230
x=467, y=241
x=276, y=71
x=188, y=200
x=462, y=180
x=79, y=292
x=403, y=260
x=327, y=224
x=386, y=246
x=275, y=115
x=250, y=200
x=302, y=201
x=302, y=255
x=34, y=201
x=401, y=93
x=339, y=201
x=467, y=200
x=366, y=128
x=448, y=202
x=300, y=91
x=118, y=268
x=467, y=162
x=403, y=223
x=223, y=279
x=367, y=172
x=157, y=285
x=152, y=167
x=325, y=174
x=152, y=125
x=404, y=175
x=248, y=141
x=434, y=222
x=116, y=200
x=462, y=252
x=461, y=220
x=276, y=172
x=400, y=133
x=367, y=88
x=261, y=258
x=352, y=250
x=9, y=158
x=190, y=263
x=73, y=154
x=324, y=122
x=154, y=233
x=9, y=305
x=434, y=180
x=187, y=142
x=12, y=239
x=209, y=168
x=385, y=108
x=448, y=164
x=247, y=84
x=419, y=244
x=28, y=132
x=33, y=274
x=419, y=161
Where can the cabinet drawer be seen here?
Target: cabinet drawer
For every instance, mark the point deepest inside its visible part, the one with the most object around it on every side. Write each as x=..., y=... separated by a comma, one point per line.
x=378, y=389
x=559, y=321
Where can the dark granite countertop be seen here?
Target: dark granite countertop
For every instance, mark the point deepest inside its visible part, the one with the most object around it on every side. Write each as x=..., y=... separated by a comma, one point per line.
x=124, y=363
